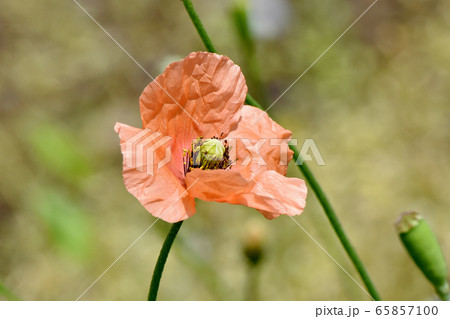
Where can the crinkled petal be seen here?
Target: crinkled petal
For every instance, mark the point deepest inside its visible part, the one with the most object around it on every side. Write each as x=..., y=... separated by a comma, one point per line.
x=259, y=143
x=271, y=193
x=198, y=96
x=154, y=185
x=274, y=194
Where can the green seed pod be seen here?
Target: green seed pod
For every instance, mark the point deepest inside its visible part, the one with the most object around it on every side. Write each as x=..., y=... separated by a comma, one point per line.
x=423, y=247
x=212, y=149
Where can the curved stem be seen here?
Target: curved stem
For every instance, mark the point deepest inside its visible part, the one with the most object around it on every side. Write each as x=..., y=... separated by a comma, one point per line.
x=337, y=226
x=159, y=267
x=309, y=176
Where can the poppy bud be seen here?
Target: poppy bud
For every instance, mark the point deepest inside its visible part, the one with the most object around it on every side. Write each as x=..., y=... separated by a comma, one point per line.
x=253, y=242
x=212, y=149
x=423, y=247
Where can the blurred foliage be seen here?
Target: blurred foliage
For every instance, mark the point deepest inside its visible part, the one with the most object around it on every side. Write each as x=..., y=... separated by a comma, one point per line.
x=6, y=293
x=59, y=153
x=66, y=224
x=376, y=105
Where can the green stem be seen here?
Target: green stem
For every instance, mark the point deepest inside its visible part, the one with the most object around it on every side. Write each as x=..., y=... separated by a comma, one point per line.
x=337, y=226
x=251, y=101
x=309, y=176
x=199, y=26
x=252, y=282
x=159, y=267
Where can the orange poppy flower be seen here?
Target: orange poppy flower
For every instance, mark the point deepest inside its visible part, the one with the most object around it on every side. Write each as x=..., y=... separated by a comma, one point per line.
x=191, y=115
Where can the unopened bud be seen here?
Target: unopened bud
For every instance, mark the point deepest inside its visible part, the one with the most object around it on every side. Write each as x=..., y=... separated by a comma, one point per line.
x=423, y=247
x=254, y=242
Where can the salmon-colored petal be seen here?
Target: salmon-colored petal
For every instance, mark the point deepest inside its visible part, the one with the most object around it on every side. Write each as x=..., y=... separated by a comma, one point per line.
x=260, y=143
x=274, y=194
x=156, y=188
x=271, y=193
x=215, y=185
x=198, y=96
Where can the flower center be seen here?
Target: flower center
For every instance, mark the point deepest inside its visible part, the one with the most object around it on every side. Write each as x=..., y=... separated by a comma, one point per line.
x=212, y=150
x=207, y=154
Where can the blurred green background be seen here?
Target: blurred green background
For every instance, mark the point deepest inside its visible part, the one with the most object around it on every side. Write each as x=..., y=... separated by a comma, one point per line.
x=376, y=105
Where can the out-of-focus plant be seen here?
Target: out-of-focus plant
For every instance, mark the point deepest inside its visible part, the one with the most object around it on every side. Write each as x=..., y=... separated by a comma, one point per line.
x=8, y=294
x=67, y=224
x=59, y=153
x=239, y=14
x=253, y=249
